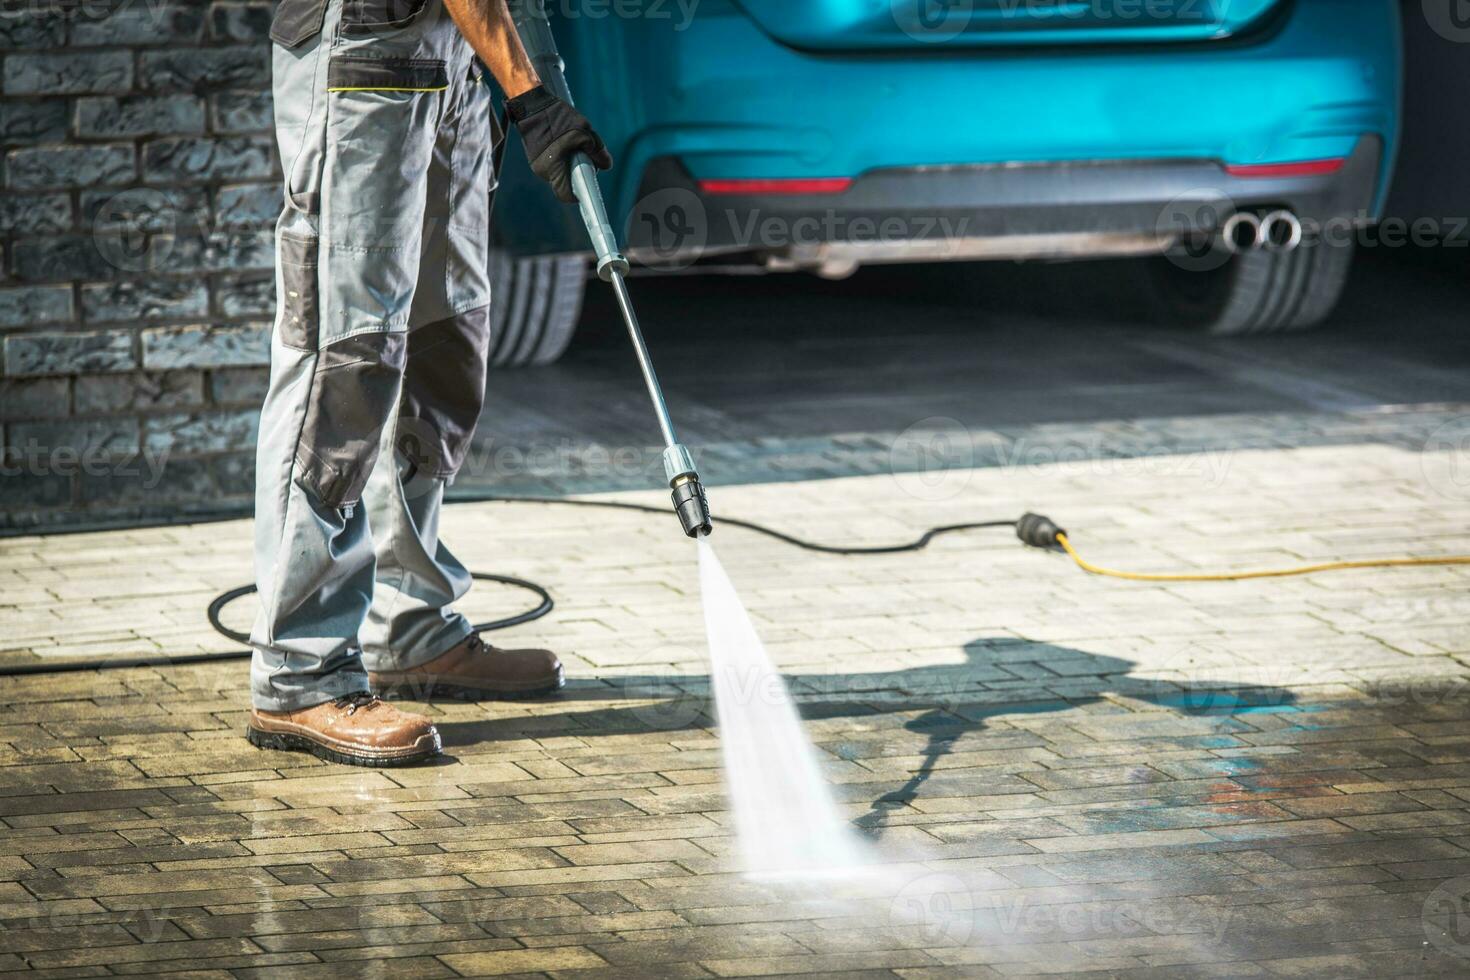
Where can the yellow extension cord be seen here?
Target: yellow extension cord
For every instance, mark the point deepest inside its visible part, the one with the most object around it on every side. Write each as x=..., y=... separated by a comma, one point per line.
x=1331, y=566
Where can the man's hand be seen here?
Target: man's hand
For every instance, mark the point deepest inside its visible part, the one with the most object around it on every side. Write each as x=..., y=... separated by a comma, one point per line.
x=552, y=131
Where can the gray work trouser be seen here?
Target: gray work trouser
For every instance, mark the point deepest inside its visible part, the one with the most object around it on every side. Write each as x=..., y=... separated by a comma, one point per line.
x=379, y=350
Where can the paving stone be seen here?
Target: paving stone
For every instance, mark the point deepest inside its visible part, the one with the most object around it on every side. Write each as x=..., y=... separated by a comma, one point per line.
x=1229, y=821
x=523, y=961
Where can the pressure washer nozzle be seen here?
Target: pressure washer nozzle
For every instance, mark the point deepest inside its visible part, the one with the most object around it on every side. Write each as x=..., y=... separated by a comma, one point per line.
x=1038, y=531
x=692, y=506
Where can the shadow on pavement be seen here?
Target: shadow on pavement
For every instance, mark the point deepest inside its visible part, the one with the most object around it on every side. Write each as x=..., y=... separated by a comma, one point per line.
x=953, y=698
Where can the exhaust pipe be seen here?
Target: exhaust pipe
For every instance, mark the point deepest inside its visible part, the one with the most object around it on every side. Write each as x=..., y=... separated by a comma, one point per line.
x=1242, y=231
x=1278, y=231
x=1281, y=231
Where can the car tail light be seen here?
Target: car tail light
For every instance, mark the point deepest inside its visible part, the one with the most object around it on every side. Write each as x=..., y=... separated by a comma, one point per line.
x=789, y=185
x=1304, y=168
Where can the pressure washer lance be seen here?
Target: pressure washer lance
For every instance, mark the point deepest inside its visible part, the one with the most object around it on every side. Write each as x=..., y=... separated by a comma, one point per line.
x=690, y=503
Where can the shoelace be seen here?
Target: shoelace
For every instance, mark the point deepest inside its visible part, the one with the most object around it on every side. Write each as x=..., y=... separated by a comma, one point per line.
x=357, y=699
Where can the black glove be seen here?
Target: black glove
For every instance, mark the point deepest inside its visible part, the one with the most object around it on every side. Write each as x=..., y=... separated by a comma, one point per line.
x=552, y=132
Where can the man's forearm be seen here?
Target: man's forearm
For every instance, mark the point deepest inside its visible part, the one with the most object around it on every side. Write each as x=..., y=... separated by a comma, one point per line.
x=487, y=26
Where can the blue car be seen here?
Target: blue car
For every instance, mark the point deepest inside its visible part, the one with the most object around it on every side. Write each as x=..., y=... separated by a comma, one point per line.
x=1241, y=142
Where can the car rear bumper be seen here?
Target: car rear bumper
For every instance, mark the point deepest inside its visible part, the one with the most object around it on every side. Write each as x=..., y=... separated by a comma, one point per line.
x=731, y=103
x=1033, y=210
x=1045, y=129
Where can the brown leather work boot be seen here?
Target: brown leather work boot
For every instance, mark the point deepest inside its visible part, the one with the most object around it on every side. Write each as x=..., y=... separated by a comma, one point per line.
x=471, y=670
x=359, y=729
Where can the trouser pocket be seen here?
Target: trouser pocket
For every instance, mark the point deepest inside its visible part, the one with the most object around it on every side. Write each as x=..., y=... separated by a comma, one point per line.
x=297, y=21
x=471, y=184
x=367, y=73
x=382, y=121
x=354, y=393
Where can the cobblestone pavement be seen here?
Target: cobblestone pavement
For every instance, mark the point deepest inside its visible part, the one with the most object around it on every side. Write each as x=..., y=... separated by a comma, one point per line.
x=1072, y=775
x=794, y=378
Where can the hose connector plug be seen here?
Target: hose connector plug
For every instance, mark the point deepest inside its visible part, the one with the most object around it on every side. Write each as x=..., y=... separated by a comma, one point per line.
x=1038, y=531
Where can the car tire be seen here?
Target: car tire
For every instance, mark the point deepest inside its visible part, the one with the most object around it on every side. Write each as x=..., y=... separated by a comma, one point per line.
x=535, y=302
x=1253, y=292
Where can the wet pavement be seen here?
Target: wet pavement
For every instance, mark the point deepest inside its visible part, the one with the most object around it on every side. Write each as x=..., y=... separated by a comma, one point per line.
x=1068, y=775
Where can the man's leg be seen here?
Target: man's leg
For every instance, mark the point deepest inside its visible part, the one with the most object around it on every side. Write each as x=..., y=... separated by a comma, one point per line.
x=314, y=561
x=411, y=620
x=419, y=580
x=413, y=641
x=348, y=248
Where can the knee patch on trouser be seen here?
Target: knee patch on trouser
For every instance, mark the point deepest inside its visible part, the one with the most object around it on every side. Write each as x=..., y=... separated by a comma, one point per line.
x=443, y=391
x=354, y=386
x=354, y=390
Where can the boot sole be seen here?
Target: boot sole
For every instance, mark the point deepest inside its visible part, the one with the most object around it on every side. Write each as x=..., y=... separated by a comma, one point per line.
x=290, y=742
x=418, y=690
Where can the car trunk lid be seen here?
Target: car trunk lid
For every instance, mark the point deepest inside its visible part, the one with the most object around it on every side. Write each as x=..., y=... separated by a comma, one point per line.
x=869, y=25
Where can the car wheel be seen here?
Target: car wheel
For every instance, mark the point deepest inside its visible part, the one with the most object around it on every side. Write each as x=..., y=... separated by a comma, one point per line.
x=534, y=305
x=1252, y=292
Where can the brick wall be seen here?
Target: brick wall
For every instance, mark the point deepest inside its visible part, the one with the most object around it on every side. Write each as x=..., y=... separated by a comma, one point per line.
x=139, y=190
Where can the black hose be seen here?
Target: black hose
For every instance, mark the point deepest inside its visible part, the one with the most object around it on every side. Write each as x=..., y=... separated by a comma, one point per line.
x=918, y=544
x=217, y=605
x=225, y=598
